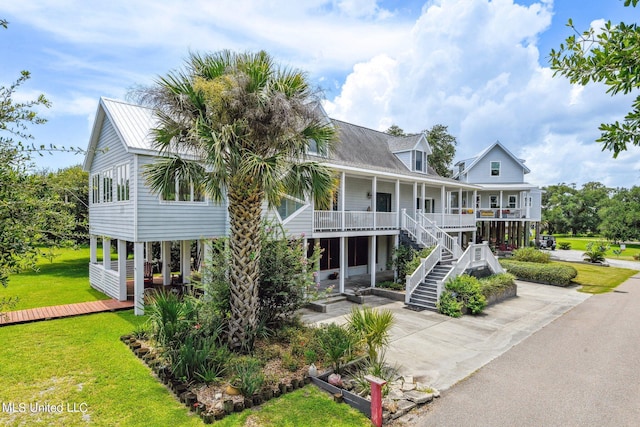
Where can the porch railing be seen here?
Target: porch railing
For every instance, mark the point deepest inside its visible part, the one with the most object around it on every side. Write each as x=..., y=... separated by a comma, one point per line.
x=448, y=221
x=106, y=281
x=426, y=265
x=502, y=213
x=354, y=220
x=418, y=232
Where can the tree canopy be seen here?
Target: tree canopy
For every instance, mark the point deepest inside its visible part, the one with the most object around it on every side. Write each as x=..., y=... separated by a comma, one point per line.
x=608, y=55
x=239, y=126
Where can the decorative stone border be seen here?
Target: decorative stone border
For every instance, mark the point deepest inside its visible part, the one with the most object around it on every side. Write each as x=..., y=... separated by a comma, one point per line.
x=183, y=392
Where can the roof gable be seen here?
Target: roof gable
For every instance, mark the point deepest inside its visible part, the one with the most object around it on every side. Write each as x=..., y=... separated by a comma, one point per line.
x=472, y=162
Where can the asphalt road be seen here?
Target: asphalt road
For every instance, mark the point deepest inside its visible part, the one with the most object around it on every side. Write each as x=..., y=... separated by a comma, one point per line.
x=583, y=369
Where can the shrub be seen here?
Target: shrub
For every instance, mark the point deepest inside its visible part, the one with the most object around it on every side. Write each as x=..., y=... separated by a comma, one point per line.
x=248, y=375
x=372, y=326
x=338, y=344
x=496, y=283
x=531, y=255
x=417, y=258
x=595, y=252
x=564, y=245
x=553, y=273
x=406, y=260
x=391, y=285
x=449, y=305
x=467, y=290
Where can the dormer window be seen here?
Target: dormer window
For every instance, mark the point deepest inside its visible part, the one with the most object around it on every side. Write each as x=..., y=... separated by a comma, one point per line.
x=495, y=168
x=420, y=163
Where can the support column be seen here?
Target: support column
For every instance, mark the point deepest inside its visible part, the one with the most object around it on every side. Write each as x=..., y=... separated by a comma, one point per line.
x=185, y=261
x=460, y=208
x=148, y=251
x=93, y=249
x=443, y=197
x=372, y=259
x=316, y=244
x=374, y=207
x=166, y=262
x=396, y=242
x=422, y=197
x=205, y=263
x=415, y=196
x=106, y=253
x=138, y=278
x=122, y=270
x=343, y=268
x=501, y=205
x=398, y=202
x=342, y=198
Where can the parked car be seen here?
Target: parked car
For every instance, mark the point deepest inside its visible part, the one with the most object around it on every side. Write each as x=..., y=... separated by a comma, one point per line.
x=547, y=242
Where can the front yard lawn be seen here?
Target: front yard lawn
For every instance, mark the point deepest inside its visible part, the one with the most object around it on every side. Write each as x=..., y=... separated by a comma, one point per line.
x=580, y=244
x=81, y=361
x=63, y=281
x=595, y=279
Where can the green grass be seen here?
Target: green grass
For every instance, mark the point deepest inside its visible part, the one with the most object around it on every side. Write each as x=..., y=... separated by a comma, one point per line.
x=595, y=279
x=80, y=360
x=63, y=281
x=580, y=244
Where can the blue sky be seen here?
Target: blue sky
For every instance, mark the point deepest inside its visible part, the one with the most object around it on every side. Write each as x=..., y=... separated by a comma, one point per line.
x=478, y=66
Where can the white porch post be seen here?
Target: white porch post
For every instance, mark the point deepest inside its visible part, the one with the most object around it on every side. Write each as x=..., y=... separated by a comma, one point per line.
x=93, y=249
x=106, y=253
x=398, y=201
x=343, y=268
x=166, y=262
x=206, y=259
x=423, y=195
x=374, y=189
x=396, y=242
x=138, y=278
x=342, y=198
x=122, y=270
x=316, y=243
x=148, y=251
x=501, y=205
x=372, y=259
x=415, y=196
x=443, y=196
x=185, y=261
x=460, y=207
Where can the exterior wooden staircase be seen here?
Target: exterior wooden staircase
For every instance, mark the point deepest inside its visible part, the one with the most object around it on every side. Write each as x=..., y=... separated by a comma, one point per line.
x=425, y=296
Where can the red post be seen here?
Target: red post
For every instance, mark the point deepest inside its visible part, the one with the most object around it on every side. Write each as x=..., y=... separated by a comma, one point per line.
x=376, y=399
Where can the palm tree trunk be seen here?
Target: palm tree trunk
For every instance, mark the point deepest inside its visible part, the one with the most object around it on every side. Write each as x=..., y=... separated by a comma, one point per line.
x=245, y=215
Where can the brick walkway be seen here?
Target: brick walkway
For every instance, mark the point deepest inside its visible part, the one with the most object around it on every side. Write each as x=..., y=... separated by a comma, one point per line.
x=58, y=311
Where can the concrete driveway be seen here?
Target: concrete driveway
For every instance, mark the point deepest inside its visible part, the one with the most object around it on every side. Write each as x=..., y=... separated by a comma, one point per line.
x=441, y=351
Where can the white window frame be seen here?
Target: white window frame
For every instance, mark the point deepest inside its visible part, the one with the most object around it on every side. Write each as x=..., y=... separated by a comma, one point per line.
x=107, y=191
x=176, y=192
x=95, y=188
x=491, y=168
x=417, y=154
x=512, y=201
x=123, y=182
x=494, y=204
x=478, y=201
x=295, y=213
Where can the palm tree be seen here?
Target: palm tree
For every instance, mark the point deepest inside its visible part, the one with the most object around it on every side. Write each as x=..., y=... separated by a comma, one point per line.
x=239, y=126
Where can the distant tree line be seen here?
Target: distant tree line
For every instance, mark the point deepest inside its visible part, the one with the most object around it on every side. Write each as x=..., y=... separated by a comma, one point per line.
x=592, y=209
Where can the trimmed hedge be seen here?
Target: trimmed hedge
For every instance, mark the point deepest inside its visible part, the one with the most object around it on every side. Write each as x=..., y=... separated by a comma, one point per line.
x=552, y=273
x=531, y=255
x=496, y=284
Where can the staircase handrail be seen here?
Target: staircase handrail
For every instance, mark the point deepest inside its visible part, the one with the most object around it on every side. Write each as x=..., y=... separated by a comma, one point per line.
x=421, y=235
x=426, y=266
x=491, y=259
x=449, y=242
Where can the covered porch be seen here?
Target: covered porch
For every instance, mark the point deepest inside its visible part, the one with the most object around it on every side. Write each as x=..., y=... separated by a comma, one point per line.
x=125, y=278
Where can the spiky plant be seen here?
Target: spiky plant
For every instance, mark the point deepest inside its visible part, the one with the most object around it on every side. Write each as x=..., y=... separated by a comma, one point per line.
x=239, y=127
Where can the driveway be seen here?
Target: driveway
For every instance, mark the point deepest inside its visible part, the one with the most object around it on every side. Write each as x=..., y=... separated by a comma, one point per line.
x=441, y=351
x=582, y=369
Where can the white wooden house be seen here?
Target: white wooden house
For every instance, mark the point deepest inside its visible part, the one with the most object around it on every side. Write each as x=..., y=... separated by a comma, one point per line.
x=386, y=188
x=506, y=206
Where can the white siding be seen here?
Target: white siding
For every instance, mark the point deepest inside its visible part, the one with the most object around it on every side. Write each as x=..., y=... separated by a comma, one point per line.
x=301, y=223
x=407, y=200
x=510, y=170
x=160, y=221
x=356, y=198
x=405, y=158
x=113, y=219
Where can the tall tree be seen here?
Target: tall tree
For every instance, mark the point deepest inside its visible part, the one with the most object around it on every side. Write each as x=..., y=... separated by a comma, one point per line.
x=443, y=147
x=395, y=130
x=240, y=126
x=609, y=55
x=71, y=184
x=621, y=216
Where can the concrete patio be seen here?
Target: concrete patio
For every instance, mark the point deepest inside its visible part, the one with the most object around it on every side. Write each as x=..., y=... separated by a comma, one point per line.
x=440, y=351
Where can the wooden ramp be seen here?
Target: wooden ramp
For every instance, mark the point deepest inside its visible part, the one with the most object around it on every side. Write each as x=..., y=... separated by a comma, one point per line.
x=58, y=311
